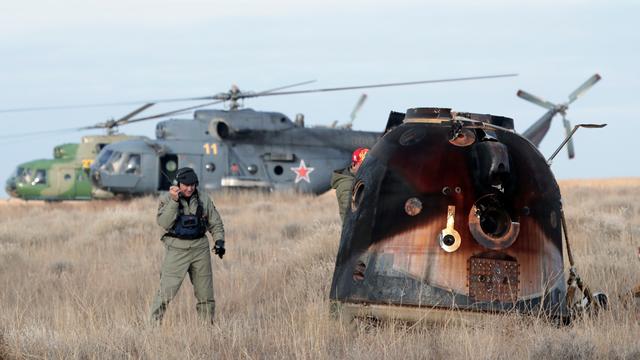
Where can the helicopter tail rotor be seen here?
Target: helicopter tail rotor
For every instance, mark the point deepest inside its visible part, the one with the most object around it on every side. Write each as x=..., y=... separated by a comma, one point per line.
x=567, y=127
x=358, y=106
x=538, y=130
x=355, y=111
x=536, y=100
x=584, y=87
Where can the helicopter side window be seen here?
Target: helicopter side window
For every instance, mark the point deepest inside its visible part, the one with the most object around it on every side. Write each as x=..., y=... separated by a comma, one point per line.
x=171, y=166
x=133, y=165
x=40, y=177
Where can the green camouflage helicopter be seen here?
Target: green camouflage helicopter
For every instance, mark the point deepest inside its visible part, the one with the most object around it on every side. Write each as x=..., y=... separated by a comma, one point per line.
x=66, y=176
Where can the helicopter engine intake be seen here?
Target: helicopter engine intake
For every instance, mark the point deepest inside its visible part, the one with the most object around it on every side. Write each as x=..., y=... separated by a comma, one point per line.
x=222, y=130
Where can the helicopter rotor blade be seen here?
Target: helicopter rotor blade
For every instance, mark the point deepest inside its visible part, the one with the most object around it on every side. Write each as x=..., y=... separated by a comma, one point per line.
x=536, y=100
x=358, y=106
x=36, y=133
x=236, y=93
x=110, y=124
x=85, y=106
x=174, y=112
x=567, y=127
x=128, y=119
x=378, y=85
x=286, y=87
x=218, y=101
x=584, y=87
x=135, y=112
x=227, y=96
x=63, y=107
x=221, y=96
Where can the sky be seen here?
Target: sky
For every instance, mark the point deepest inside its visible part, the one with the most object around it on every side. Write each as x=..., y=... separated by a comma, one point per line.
x=87, y=51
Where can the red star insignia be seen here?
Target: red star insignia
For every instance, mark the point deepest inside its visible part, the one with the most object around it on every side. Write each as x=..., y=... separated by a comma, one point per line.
x=302, y=172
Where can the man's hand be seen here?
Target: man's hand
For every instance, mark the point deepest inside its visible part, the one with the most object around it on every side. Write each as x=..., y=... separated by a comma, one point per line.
x=174, y=193
x=218, y=248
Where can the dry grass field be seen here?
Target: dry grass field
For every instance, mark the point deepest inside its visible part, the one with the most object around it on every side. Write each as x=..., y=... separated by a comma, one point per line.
x=77, y=281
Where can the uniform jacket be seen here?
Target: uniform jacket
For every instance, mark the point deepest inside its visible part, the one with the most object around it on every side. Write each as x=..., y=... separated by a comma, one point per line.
x=168, y=212
x=342, y=181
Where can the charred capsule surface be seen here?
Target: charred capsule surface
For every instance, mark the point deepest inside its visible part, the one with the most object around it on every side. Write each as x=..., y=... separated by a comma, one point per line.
x=453, y=211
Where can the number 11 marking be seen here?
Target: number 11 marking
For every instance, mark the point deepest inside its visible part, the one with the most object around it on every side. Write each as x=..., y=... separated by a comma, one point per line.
x=211, y=148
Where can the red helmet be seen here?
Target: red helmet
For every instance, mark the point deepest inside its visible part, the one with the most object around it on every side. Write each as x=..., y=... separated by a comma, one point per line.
x=359, y=155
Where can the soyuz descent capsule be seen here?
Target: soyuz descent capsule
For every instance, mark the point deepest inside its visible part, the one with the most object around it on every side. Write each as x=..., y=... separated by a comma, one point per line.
x=452, y=211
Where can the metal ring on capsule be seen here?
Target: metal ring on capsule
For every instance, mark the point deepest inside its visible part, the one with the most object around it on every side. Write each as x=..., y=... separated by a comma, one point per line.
x=491, y=225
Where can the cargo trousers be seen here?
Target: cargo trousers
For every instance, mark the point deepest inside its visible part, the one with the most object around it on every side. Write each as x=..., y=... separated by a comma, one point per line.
x=185, y=257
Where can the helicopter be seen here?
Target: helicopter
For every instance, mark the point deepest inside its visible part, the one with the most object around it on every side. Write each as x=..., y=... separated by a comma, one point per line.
x=456, y=211
x=234, y=149
x=66, y=176
x=238, y=148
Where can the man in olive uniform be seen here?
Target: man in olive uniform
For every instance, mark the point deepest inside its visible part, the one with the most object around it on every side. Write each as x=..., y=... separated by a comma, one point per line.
x=342, y=180
x=186, y=215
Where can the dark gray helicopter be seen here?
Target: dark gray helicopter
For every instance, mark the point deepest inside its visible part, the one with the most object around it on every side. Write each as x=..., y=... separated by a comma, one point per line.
x=236, y=148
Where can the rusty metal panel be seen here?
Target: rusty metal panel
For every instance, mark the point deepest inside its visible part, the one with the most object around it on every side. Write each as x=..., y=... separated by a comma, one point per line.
x=493, y=279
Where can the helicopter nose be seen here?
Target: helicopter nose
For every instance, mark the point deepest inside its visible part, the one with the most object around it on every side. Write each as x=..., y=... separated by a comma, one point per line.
x=95, y=177
x=97, y=190
x=11, y=187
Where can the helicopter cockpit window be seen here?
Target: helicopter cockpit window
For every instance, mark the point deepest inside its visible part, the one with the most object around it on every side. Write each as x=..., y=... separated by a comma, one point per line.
x=103, y=158
x=40, y=177
x=115, y=162
x=133, y=165
x=23, y=175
